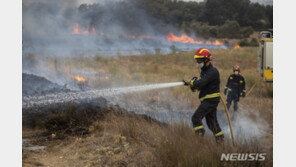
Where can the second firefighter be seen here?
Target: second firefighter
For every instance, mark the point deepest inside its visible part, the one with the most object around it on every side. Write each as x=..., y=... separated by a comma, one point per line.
x=235, y=88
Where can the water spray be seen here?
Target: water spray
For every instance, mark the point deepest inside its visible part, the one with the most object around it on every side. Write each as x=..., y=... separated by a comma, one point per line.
x=31, y=101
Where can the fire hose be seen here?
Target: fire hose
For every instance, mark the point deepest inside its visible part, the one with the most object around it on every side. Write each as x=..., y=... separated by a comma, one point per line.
x=229, y=120
x=186, y=83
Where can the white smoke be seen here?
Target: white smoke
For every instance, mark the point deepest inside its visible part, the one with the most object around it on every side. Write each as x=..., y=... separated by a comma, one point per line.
x=247, y=124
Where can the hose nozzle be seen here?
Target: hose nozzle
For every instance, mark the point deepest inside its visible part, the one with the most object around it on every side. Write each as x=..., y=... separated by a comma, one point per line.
x=186, y=83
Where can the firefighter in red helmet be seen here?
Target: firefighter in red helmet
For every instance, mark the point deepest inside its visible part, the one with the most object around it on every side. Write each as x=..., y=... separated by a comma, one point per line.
x=209, y=86
x=235, y=88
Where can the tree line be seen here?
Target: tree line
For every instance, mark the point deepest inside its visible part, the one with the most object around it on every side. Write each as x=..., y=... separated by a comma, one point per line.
x=211, y=18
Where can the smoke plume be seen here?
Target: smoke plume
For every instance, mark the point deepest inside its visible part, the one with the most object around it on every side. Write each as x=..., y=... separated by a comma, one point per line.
x=106, y=27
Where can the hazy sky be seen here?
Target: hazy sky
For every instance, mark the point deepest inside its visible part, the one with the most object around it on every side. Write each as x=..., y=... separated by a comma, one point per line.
x=265, y=2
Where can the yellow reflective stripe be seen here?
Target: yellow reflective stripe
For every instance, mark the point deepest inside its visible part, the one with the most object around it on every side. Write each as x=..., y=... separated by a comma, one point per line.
x=208, y=96
x=191, y=82
x=225, y=87
x=268, y=40
x=241, y=81
x=198, y=127
x=196, y=57
x=231, y=77
x=229, y=89
x=219, y=134
x=203, y=50
x=244, y=90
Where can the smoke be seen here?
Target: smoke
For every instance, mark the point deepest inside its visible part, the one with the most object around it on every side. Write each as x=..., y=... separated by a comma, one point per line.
x=247, y=123
x=105, y=26
x=48, y=26
x=83, y=29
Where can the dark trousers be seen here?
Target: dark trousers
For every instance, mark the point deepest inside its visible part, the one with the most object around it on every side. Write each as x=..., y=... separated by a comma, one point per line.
x=232, y=97
x=207, y=109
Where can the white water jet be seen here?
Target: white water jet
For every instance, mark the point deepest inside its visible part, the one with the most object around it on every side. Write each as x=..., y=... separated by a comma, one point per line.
x=30, y=101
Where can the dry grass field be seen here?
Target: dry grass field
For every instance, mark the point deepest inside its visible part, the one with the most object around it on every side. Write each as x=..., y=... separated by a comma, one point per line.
x=120, y=138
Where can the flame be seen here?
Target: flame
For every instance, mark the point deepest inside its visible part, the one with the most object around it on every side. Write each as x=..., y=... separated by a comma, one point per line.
x=93, y=30
x=208, y=43
x=170, y=36
x=217, y=43
x=76, y=29
x=79, y=79
x=237, y=46
x=86, y=31
x=186, y=39
x=183, y=39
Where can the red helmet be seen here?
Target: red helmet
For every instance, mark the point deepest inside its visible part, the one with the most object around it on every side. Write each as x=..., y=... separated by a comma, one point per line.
x=236, y=68
x=202, y=53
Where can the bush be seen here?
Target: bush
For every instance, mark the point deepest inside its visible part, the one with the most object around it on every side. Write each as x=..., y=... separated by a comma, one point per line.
x=230, y=29
x=245, y=42
x=247, y=31
x=203, y=30
x=254, y=42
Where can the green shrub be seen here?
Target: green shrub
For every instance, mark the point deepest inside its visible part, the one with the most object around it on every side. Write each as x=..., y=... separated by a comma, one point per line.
x=230, y=29
x=243, y=42
x=253, y=42
x=247, y=31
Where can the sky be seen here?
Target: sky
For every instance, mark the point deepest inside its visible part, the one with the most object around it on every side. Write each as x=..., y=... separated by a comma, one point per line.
x=265, y=2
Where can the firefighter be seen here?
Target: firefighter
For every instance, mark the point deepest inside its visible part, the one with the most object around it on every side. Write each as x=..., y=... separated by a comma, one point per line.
x=209, y=86
x=236, y=88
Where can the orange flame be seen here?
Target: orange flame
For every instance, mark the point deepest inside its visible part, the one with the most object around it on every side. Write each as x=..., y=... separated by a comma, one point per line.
x=87, y=31
x=76, y=29
x=93, y=30
x=237, y=46
x=183, y=39
x=79, y=79
x=186, y=39
x=217, y=43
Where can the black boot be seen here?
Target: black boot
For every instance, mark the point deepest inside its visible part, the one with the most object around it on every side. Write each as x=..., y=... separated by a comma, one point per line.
x=219, y=139
x=200, y=132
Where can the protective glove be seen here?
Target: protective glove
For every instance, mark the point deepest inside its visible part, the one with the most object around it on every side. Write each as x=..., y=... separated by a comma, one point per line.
x=243, y=94
x=225, y=91
x=191, y=84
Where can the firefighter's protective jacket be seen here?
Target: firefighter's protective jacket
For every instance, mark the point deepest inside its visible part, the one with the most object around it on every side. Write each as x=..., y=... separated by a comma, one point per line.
x=235, y=84
x=208, y=84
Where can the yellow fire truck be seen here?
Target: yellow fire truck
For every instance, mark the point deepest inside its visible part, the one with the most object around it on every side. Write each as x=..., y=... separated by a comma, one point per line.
x=265, y=56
